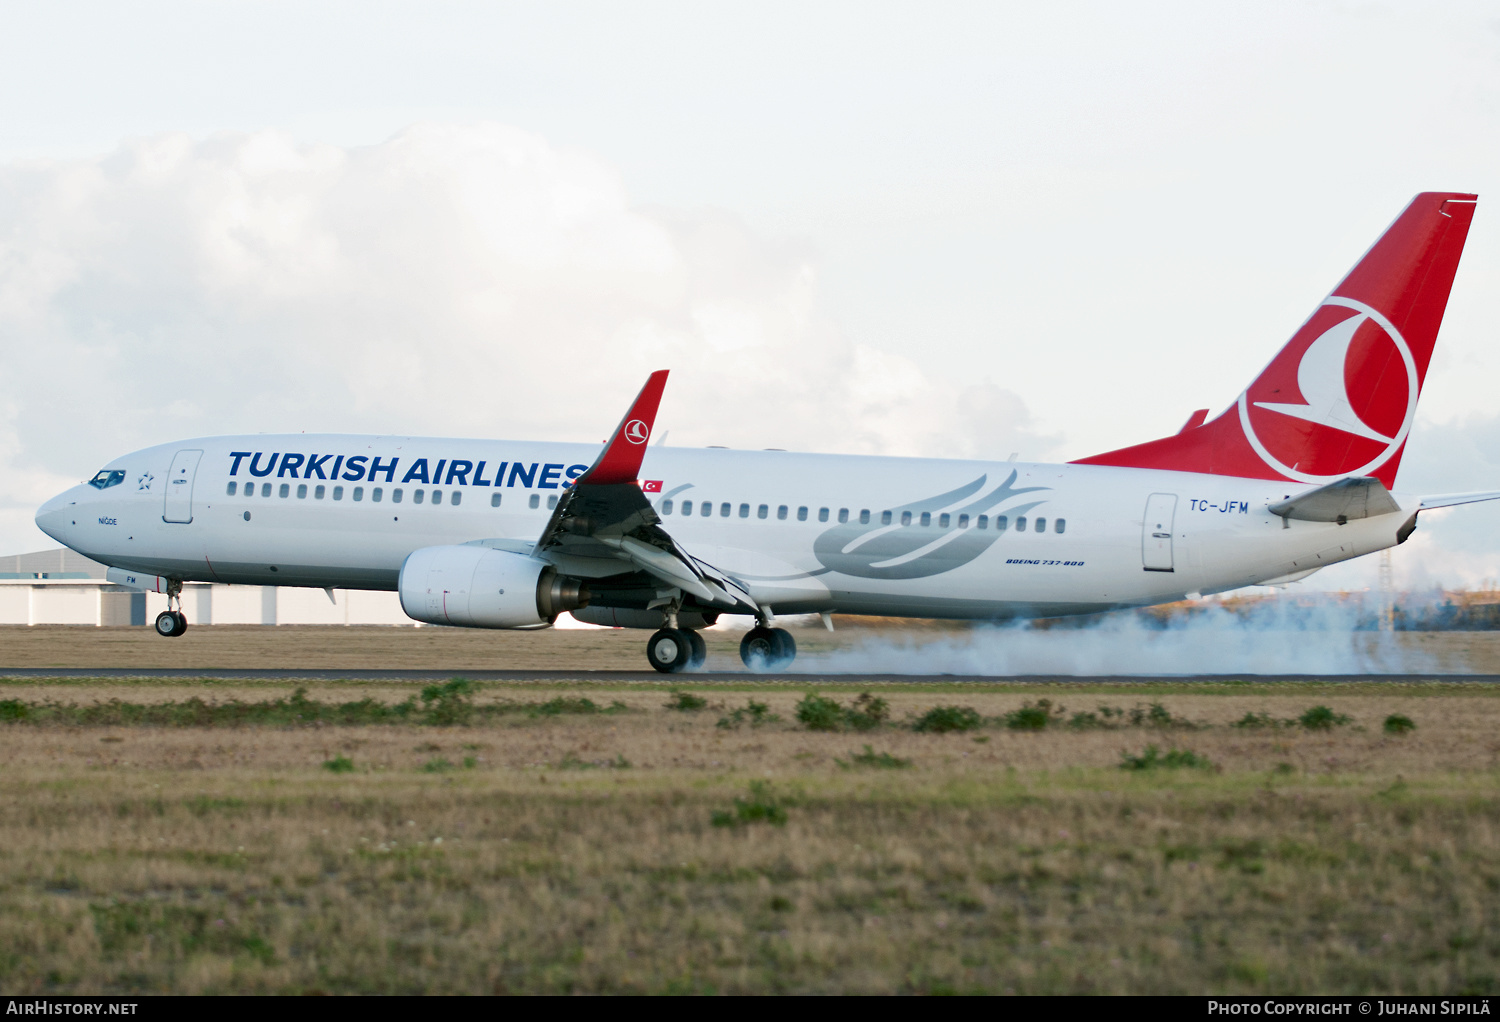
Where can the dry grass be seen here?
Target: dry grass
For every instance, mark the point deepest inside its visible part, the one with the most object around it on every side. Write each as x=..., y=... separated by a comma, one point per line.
x=214, y=860
x=233, y=647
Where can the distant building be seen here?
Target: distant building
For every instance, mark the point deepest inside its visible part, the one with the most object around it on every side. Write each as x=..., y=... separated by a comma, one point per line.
x=61, y=587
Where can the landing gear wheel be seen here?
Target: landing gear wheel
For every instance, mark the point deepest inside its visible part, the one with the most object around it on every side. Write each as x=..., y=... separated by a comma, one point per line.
x=669, y=650
x=768, y=649
x=170, y=624
x=700, y=651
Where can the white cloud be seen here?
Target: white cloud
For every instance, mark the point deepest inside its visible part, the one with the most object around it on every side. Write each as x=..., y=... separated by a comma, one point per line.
x=467, y=279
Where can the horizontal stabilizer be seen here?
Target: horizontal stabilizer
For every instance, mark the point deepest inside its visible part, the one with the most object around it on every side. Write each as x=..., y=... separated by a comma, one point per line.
x=1343, y=501
x=1450, y=499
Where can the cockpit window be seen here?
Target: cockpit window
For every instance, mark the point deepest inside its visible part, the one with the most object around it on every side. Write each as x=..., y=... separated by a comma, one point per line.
x=108, y=477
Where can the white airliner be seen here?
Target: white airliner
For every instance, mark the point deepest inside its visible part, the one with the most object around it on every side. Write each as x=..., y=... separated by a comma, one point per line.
x=1296, y=474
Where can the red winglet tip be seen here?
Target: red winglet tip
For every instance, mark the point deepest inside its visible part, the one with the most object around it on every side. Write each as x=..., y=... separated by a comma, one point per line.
x=620, y=461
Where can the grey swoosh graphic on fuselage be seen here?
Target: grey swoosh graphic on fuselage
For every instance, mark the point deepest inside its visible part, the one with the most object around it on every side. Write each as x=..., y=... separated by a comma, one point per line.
x=899, y=551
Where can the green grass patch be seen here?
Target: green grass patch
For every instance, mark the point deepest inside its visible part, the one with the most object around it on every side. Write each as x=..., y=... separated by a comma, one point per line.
x=818, y=713
x=943, y=719
x=1154, y=759
x=339, y=764
x=752, y=713
x=1398, y=724
x=871, y=758
x=445, y=705
x=760, y=807
x=1321, y=718
x=685, y=701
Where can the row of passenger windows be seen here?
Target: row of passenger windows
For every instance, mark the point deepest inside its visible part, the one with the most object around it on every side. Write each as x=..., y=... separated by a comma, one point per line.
x=377, y=494
x=705, y=509
x=702, y=508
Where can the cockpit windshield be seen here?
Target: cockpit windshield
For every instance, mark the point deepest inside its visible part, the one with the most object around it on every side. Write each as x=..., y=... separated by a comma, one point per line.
x=108, y=477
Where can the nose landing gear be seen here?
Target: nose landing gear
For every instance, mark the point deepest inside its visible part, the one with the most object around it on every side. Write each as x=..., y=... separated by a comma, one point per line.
x=172, y=622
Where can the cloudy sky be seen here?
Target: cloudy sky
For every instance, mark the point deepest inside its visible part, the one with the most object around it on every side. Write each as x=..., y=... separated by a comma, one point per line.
x=945, y=229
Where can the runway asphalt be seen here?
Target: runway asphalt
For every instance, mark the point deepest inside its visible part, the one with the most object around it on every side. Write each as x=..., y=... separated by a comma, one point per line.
x=741, y=677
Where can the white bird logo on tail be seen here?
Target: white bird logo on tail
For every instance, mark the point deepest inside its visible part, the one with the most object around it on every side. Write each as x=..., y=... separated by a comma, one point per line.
x=1320, y=377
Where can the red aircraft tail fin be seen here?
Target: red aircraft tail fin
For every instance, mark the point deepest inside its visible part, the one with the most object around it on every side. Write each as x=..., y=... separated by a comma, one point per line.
x=1339, y=399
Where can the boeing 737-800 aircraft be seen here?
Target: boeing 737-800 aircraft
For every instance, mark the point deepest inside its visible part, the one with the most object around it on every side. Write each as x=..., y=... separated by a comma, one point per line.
x=1295, y=475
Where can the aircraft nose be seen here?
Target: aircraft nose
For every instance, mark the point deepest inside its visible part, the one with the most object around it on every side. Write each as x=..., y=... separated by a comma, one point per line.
x=52, y=517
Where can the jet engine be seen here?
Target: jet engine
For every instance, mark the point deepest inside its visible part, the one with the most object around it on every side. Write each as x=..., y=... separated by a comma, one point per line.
x=477, y=587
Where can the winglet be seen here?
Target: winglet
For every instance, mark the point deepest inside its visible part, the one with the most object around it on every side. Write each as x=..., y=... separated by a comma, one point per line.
x=620, y=461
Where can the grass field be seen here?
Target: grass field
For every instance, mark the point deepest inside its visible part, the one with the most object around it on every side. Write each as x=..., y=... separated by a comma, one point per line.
x=642, y=848
x=232, y=647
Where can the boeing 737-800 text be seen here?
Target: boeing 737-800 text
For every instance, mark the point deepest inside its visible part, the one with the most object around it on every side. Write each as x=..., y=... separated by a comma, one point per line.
x=1295, y=475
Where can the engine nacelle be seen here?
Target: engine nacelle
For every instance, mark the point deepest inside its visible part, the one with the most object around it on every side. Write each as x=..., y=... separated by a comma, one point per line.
x=476, y=587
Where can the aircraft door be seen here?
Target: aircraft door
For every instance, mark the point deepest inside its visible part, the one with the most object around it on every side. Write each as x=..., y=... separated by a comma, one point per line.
x=1156, y=532
x=179, y=499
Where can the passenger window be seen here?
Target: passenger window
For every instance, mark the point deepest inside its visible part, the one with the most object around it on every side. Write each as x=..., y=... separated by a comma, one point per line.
x=301, y=491
x=707, y=508
x=457, y=498
x=1001, y=523
x=744, y=510
x=802, y=514
x=906, y=518
x=551, y=502
x=536, y=501
x=822, y=514
x=1060, y=526
x=338, y=493
x=762, y=511
x=943, y=520
x=984, y=521
x=494, y=500
x=375, y=495
x=1021, y=524
x=843, y=515
x=687, y=507
x=359, y=493
x=232, y=487
x=396, y=495
x=437, y=496
x=724, y=510
x=265, y=489
x=864, y=516
x=885, y=518
x=286, y=490
x=963, y=521
x=781, y=513
x=926, y=519
x=666, y=507
x=318, y=492
x=416, y=496
x=1041, y=525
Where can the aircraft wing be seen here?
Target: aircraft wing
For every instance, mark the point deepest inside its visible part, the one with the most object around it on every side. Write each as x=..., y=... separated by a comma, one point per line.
x=604, y=516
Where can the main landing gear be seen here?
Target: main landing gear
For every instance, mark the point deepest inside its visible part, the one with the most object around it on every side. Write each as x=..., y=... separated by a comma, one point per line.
x=768, y=649
x=172, y=622
x=764, y=647
x=673, y=650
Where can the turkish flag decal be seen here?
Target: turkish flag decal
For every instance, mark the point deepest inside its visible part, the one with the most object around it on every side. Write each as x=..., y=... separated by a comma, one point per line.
x=651, y=486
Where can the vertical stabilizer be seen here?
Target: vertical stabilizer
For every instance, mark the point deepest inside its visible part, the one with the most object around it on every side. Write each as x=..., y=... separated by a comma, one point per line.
x=1339, y=399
